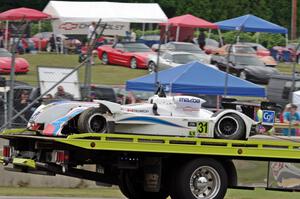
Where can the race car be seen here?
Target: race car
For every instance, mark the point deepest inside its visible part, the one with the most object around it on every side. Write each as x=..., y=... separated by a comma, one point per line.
x=161, y=115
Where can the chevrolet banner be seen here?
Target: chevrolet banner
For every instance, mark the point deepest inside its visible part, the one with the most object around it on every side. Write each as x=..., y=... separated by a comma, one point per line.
x=81, y=28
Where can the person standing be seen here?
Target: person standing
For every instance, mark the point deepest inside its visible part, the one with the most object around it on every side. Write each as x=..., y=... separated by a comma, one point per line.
x=201, y=40
x=91, y=36
x=290, y=115
x=62, y=94
x=132, y=36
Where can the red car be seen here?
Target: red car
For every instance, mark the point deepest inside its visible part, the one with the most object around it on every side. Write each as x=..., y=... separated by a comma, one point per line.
x=133, y=55
x=21, y=65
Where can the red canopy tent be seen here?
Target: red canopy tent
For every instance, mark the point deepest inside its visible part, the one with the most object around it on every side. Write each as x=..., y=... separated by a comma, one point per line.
x=187, y=23
x=18, y=14
x=23, y=14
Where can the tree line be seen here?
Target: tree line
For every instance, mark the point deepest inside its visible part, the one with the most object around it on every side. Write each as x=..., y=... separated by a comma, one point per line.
x=276, y=11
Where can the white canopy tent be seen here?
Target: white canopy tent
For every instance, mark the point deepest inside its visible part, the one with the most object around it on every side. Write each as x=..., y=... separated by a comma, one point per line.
x=75, y=17
x=71, y=11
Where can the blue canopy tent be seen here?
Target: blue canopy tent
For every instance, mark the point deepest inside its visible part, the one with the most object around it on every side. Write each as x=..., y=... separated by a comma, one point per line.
x=196, y=78
x=251, y=23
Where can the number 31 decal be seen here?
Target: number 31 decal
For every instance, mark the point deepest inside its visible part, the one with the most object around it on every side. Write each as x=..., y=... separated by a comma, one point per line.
x=201, y=128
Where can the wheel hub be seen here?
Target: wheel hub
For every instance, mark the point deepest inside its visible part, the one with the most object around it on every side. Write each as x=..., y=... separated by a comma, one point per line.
x=204, y=183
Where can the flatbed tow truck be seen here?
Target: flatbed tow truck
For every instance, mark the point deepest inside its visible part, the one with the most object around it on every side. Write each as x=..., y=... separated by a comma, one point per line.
x=145, y=167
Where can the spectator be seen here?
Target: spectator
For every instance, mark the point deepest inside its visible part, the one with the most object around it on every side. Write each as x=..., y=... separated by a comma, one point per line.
x=201, y=40
x=1, y=38
x=62, y=94
x=52, y=43
x=132, y=36
x=91, y=35
x=290, y=115
x=19, y=105
x=47, y=98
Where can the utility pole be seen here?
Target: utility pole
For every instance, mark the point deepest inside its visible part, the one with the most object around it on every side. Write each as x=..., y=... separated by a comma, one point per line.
x=294, y=20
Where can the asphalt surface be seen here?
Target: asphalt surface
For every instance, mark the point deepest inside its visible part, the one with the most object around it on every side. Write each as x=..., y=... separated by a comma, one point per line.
x=39, y=197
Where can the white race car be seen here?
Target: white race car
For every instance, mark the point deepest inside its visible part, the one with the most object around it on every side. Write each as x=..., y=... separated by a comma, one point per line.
x=161, y=115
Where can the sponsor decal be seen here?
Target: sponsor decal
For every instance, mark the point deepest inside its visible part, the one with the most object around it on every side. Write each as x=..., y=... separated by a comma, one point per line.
x=136, y=110
x=68, y=26
x=189, y=100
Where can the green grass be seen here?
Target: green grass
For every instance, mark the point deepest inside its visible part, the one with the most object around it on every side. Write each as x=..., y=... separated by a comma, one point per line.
x=115, y=193
x=101, y=74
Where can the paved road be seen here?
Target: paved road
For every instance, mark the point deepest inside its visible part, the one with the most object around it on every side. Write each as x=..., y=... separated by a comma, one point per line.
x=39, y=197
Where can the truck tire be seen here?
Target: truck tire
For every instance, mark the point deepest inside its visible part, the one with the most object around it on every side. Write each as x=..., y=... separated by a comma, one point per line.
x=92, y=121
x=230, y=126
x=202, y=178
x=133, y=189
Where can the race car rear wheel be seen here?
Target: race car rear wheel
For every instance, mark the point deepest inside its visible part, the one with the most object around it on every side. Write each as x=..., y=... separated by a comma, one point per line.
x=92, y=121
x=230, y=126
x=133, y=63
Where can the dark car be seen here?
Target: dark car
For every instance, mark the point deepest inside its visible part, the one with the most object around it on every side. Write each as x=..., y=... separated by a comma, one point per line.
x=247, y=67
x=279, y=89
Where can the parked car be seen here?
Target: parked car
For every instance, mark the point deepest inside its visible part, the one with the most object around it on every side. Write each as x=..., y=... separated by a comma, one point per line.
x=290, y=50
x=247, y=67
x=184, y=47
x=245, y=49
x=279, y=88
x=133, y=55
x=43, y=38
x=21, y=64
x=171, y=59
x=262, y=52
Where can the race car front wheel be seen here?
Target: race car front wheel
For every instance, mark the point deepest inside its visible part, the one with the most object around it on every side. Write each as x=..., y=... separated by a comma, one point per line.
x=92, y=121
x=230, y=126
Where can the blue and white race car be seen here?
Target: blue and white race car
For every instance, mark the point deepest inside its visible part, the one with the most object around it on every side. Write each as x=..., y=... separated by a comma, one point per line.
x=161, y=115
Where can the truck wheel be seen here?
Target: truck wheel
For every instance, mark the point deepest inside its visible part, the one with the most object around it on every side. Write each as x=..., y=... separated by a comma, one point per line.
x=230, y=126
x=200, y=179
x=133, y=189
x=91, y=121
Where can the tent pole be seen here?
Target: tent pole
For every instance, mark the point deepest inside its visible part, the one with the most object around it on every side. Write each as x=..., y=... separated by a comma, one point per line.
x=6, y=35
x=209, y=33
x=220, y=37
x=177, y=33
x=257, y=37
x=143, y=29
x=286, y=40
x=166, y=33
x=40, y=42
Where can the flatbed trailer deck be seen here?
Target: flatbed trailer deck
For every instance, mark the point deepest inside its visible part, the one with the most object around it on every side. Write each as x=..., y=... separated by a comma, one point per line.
x=146, y=166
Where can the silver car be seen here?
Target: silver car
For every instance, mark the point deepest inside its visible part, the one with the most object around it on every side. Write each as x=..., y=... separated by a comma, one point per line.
x=173, y=59
x=184, y=47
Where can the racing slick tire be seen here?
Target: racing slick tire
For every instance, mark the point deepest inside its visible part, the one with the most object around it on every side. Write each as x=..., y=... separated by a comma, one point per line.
x=92, y=121
x=202, y=178
x=132, y=188
x=104, y=58
x=230, y=126
x=133, y=63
